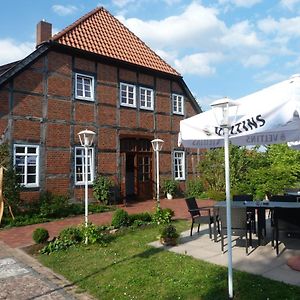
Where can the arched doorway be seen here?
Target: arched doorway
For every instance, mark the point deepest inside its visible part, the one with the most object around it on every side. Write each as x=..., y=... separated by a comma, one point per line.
x=136, y=168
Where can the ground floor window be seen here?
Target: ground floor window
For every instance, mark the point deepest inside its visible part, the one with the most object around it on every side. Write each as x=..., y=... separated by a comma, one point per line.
x=79, y=165
x=26, y=162
x=179, y=165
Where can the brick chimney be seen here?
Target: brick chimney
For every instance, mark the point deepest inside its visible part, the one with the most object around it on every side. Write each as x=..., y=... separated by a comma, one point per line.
x=43, y=32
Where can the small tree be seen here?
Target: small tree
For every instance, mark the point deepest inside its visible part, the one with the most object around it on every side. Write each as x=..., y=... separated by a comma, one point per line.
x=102, y=188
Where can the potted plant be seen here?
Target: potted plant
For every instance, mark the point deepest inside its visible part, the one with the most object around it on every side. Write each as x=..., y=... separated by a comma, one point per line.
x=169, y=235
x=170, y=187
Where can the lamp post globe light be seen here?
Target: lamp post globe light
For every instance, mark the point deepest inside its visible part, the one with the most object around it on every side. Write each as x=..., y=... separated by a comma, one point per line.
x=157, y=146
x=225, y=111
x=86, y=138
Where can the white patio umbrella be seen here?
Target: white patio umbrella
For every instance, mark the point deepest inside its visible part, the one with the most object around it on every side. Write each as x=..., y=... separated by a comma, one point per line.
x=269, y=116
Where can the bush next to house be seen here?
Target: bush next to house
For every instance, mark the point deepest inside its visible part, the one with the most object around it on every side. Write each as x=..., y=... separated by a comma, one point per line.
x=53, y=205
x=170, y=186
x=194, y=188
x=40, y=235
x=102, y=189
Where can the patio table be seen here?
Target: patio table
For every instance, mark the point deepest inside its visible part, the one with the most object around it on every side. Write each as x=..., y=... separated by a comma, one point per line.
x=260, y=207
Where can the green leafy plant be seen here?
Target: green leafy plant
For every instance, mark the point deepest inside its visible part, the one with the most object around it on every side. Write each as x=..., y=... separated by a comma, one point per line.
x=216, y=195
x=72, y=233
x=102, y=188
x=40, y=235
x=169, y=235
x=170, y=186
x=72, y=236
x=169, y=231
x=162, y=216
x=53, y=205
x=120, y=218
x=194, y=188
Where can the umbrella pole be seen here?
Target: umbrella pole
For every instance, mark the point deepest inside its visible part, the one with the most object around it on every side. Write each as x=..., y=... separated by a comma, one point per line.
x=228, y=211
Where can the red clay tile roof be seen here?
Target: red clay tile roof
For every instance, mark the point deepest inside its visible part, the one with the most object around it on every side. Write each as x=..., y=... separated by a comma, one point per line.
x=101, y=33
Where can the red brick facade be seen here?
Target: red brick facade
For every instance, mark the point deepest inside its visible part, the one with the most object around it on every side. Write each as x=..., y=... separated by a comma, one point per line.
x=38, y=107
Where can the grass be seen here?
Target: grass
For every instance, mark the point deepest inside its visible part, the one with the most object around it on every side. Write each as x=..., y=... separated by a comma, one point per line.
x=130, y=269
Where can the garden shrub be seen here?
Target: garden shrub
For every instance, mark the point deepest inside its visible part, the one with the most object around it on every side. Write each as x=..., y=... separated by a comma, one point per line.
x=216, y=195
x=77, y=235
x=162, y=216
x=120, y=218
x=101, y=189
x=53, y=205
x=40, y=235
x=141, y=217
x=169, y=231
x=73, y=234
x=194, y=188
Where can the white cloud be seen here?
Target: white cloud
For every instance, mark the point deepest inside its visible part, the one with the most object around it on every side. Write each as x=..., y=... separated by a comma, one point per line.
x=199, y=63
x=284, y=27
x=122, y=3
x=256, y=60
x=64, y=10
x=241, y=35
x=289, y=4
x=240, y=3
x=172, y=2
x=269, y=77
x=11, y=51
x=195, y=25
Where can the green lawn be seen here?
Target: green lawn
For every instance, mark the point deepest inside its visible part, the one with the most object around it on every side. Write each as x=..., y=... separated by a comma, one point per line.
x=130, y=269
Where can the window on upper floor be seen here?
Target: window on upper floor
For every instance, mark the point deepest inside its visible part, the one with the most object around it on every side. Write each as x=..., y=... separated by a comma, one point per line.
x=179, y=165
x=146, y=98
x=26, y=162
x=84, y=87
x=79, y=165
x=127, y=95
x=178, y=104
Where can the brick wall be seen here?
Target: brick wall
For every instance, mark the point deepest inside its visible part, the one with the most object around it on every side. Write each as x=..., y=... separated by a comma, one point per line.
x=45, y=112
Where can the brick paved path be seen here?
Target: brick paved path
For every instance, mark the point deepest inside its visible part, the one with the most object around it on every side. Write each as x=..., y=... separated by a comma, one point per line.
x=22, y=236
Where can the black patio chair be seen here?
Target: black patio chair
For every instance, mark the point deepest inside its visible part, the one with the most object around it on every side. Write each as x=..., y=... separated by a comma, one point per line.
x=200, y=215
x=250, y=210
x=286, y=220
x=284, y=198
x=239, y=225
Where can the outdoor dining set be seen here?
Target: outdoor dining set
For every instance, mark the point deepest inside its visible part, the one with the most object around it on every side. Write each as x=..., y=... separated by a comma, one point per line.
x=248, y=218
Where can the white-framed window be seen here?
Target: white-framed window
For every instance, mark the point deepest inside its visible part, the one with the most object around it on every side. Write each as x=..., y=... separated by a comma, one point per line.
x=179, y=165
x=146, y=98
x=84, y=87
x=127, y=95
x=178, y=104
x=26, y=162
x=79, y=165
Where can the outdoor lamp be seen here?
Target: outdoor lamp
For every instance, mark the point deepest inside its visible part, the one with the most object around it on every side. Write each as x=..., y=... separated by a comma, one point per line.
x=225, y=111
x=157, y=146
x=86, y=138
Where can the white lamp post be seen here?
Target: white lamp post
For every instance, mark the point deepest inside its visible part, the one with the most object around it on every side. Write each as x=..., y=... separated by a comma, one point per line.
x=157, y=146
x=222, y=113
x=86, y=138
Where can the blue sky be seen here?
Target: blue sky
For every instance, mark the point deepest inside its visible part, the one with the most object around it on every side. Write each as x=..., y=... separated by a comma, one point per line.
x=222, y=48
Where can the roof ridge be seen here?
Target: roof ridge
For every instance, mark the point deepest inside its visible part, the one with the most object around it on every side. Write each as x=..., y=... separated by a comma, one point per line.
x=77, y=22
x=143, y=42
x=108, y=43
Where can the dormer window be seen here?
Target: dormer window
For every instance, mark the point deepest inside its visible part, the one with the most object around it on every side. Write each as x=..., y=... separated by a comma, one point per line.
x=84, y=87
x=178, y=104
